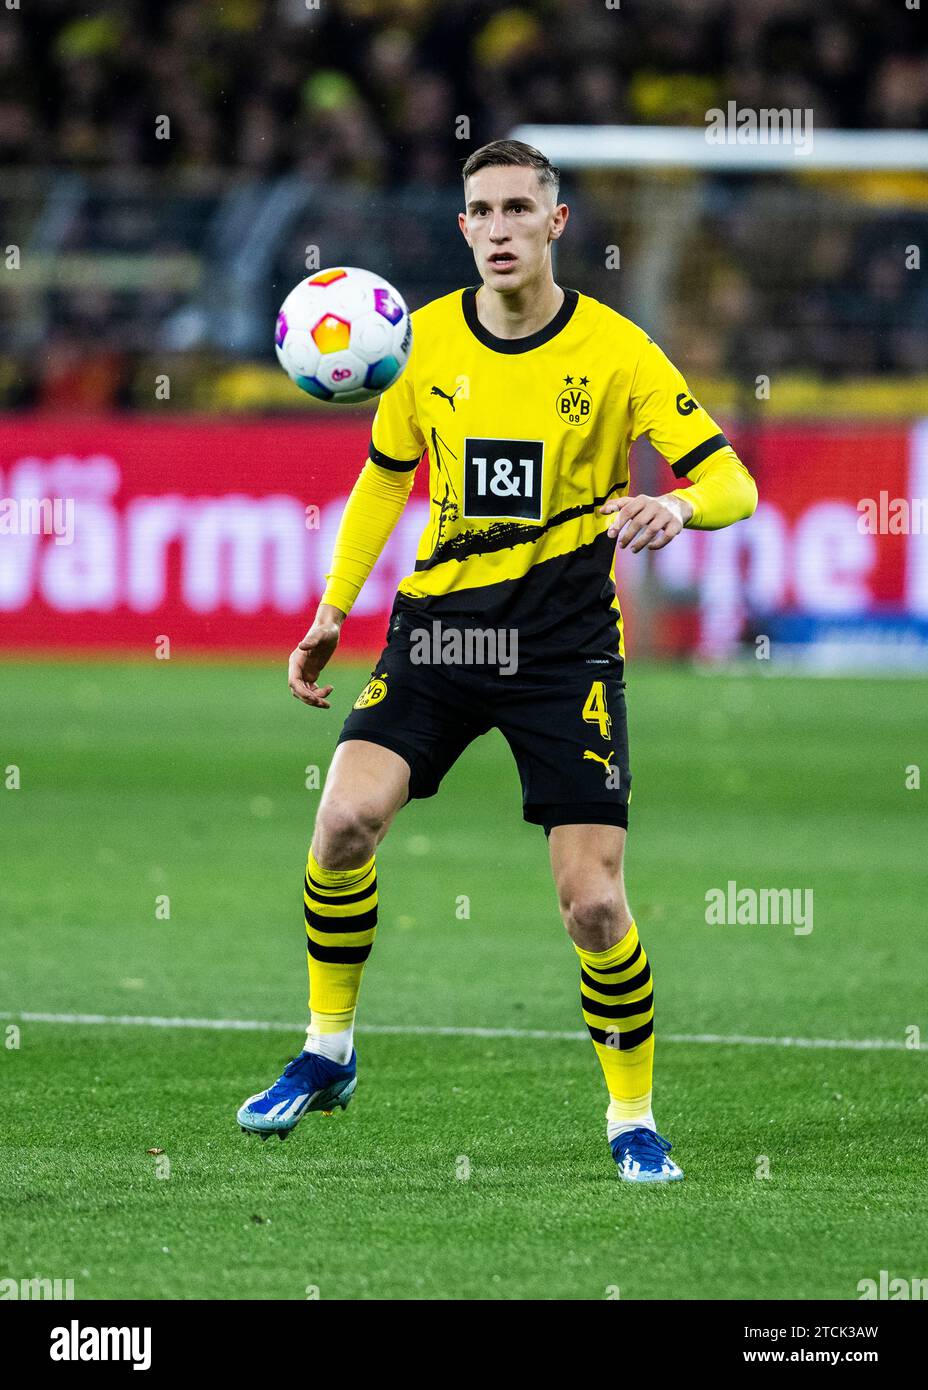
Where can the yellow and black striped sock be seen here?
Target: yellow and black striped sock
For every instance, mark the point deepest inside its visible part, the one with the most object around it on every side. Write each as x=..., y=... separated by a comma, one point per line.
x=617, y=998
x=340, y=909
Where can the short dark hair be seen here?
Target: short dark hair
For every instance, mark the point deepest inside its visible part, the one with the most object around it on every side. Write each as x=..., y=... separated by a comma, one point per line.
x=499, y=153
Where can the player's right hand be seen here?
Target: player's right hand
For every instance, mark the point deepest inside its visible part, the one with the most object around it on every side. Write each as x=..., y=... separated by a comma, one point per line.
x=308, y=659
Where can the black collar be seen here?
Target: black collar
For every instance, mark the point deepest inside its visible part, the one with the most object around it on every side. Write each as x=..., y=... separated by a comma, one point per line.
x=534, y=340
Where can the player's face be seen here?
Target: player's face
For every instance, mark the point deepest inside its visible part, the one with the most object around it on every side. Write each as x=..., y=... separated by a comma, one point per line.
x=509, y=223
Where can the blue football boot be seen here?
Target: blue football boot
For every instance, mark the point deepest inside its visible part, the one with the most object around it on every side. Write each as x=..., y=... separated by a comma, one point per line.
x=309, y=1082
x=641, y=1155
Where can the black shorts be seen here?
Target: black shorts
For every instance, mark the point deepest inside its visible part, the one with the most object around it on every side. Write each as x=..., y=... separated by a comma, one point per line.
x=565, y=725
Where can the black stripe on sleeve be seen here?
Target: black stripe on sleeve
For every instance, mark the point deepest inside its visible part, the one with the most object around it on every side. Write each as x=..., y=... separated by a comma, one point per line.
x=702, y=451
x=385, y=461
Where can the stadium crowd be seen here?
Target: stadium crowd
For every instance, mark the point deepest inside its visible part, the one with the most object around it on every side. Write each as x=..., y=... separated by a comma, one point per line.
x=371, y=88
x=370, y=93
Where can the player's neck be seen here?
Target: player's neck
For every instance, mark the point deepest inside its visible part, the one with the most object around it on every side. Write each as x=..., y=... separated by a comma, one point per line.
x=520, y=314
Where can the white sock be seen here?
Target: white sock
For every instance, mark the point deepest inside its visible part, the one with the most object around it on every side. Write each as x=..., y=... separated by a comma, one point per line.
x=614, y=1127
x=336, y=1046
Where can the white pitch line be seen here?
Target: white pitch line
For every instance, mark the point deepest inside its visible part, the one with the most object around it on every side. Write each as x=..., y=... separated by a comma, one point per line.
x=250, y=1025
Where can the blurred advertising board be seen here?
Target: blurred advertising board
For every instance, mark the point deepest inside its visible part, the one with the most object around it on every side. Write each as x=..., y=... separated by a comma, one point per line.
x=216, y=536
x=833, y=567
x=120, y=531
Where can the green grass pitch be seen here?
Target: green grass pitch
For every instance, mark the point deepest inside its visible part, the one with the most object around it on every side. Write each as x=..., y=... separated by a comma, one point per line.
x=467, y=1166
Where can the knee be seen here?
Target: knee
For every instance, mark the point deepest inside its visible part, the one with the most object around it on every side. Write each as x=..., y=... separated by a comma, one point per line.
x=346, y=831
x=596, y=916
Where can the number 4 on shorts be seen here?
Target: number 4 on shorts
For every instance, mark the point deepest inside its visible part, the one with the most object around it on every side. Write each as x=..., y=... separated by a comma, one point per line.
x=595, y=711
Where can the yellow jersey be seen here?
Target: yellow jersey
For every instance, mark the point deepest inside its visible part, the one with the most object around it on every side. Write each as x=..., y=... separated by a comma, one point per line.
x=526, y=438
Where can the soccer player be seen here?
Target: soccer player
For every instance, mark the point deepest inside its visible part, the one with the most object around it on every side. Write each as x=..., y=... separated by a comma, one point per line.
x=526, y=397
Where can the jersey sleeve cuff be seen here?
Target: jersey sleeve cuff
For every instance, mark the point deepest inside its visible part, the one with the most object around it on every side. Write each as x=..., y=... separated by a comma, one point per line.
x=340, y=593
x=684, y=494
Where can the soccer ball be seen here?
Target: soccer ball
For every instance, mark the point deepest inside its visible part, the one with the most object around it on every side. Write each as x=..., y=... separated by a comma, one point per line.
x=343, y=335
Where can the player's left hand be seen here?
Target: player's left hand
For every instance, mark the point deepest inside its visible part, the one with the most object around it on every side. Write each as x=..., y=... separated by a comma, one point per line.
x=646, y=522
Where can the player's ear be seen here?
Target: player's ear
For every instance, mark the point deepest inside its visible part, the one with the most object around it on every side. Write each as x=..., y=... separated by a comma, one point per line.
x=559, y=220
x=462, y=223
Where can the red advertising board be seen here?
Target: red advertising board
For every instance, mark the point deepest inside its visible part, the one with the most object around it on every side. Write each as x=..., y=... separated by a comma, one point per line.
x=809, y=554
x=215, y=535
x=118, y=532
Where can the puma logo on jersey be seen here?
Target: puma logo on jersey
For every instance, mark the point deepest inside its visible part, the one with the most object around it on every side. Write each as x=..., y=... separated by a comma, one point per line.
x=437, y=391
x=595, y=757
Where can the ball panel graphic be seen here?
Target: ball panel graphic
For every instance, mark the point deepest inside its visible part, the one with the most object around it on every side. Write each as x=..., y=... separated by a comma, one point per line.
x=387, y=303
x=327, y=277
x=331, y=334
x=312, y=387
x=382, y=374
x=341, y=371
